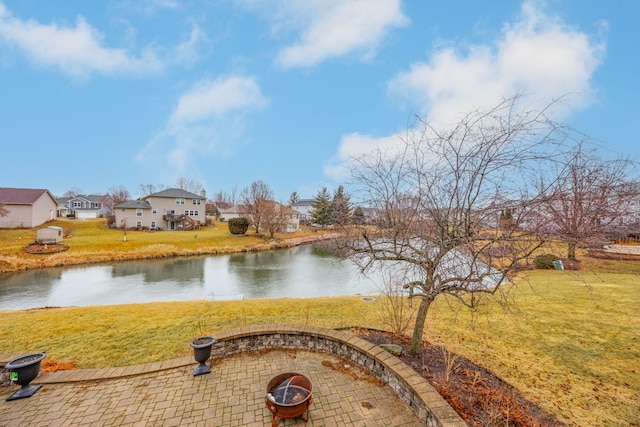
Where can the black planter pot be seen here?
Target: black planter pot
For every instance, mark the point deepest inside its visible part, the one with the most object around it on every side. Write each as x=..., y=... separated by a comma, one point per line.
x=202, y=352
x=23, y=371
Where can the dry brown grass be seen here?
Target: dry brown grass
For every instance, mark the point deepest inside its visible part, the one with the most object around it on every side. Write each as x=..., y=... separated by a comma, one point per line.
x=569, y=339
x=120, y=335
x=92, y=241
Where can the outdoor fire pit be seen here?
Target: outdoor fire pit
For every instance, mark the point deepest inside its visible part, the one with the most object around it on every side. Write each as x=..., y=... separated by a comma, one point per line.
x=289, y=396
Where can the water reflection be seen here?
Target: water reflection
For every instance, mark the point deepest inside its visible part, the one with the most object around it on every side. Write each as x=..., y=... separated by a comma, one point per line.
x=183, y=271
x=302, y=271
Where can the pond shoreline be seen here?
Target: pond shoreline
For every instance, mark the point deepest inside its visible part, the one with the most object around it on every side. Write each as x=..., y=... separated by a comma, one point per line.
x=37, y=261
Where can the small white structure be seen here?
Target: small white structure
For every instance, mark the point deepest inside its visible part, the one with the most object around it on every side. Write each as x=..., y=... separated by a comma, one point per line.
x=50, y=234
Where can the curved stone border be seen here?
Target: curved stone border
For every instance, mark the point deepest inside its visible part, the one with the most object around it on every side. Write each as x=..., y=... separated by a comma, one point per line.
x=415, y=391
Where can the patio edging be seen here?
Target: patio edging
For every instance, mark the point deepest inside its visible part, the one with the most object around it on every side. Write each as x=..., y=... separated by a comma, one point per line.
x=426, y=403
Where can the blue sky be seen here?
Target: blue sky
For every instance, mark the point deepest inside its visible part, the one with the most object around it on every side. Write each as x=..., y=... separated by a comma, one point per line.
x=96, y=94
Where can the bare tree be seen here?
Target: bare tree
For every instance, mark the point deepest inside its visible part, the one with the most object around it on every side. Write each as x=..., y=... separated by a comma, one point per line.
x=147, y=189
x=255, y=199
x=211, y=208
x=586, y=196
x=234, y=195
x=223, y=199
x=436, y=200
x=189, y=185
x=72, y=192
x=3, y=211
x=119, y=194
x=274, y=217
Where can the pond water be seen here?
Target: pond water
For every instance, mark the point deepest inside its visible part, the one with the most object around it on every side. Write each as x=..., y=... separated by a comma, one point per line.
x=303, y=271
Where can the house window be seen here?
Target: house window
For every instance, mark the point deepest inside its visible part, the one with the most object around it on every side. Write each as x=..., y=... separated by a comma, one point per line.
x=195, y=213
x=196, y=201
x=138, y=223
x=138, y=212
x=154, y=211
x=77, y=204
x=179, y=201
x=171, y=212
x=186, y=213
x=153, y=224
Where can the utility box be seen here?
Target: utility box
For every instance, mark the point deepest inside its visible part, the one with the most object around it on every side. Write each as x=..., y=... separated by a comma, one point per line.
x=51, y=234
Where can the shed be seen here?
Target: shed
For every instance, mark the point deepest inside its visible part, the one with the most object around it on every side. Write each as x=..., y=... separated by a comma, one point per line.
x=50, y=234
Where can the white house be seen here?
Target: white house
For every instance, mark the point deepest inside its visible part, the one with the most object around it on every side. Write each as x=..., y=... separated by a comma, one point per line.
x=303, y=206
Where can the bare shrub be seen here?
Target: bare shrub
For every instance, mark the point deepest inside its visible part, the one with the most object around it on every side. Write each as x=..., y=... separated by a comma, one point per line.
x=397, y=312
x=451, y=363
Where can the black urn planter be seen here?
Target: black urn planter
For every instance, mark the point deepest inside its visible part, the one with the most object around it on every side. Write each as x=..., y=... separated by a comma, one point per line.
x=24, y=370
x=202, y=352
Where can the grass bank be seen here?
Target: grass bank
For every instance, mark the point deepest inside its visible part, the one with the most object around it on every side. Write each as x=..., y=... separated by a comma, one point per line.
x=91, y=241
x=570, y=341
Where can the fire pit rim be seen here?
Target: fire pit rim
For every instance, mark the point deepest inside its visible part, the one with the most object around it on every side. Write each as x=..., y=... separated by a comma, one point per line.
x=283, y=376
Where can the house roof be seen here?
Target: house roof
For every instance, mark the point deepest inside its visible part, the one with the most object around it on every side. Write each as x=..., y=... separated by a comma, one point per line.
x=302, y=202
x=134, y=204
x=90, y=197
x=236, y=209
x=22, y=196
x=173, y=193
x=241, y=209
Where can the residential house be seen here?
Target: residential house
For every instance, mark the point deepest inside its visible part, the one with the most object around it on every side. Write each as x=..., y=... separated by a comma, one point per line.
x=304, y=208
x=89, y=206
x=170, y=209
x=63, y=207
x=231, y=212
x=26, y=207
x=289, y=218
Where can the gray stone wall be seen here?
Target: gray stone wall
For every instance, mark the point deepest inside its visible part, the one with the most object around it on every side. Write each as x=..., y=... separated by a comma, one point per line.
x=414, y=390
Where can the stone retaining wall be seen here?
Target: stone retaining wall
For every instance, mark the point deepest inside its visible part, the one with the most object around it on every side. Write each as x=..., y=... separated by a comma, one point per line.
x=414, y=390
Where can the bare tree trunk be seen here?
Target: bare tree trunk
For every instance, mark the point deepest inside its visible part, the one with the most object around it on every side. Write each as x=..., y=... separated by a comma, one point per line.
x=418, y=329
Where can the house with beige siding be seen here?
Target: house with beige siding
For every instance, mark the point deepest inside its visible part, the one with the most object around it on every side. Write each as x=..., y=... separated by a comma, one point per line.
x=289, y=219
x=170, y=209
x=26, y=207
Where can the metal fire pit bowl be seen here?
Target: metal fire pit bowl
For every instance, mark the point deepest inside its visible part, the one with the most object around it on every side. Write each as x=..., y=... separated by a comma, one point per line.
x=289, y=396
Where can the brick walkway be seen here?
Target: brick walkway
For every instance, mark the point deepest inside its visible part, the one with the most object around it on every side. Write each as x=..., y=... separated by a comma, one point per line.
x=231, y=395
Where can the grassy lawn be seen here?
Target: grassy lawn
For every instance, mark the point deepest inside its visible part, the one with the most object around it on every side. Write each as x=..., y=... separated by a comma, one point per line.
x=570, y=341
x=92, y=241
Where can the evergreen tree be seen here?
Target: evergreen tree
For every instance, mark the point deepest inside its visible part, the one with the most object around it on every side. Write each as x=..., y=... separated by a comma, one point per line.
x=293, y=199
x=340, y=207
x=358, y=215
x=321, y=208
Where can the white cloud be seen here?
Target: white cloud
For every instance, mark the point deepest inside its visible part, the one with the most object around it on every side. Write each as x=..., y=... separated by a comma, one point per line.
x=354, y=145
x=538, y=55
x=215, y=98
x=210, y=115
x=332, y=28
x=77, y=50
x=187, y=52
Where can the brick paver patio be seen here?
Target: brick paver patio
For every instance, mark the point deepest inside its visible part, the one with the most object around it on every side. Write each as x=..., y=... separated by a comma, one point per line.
x=231, y=395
